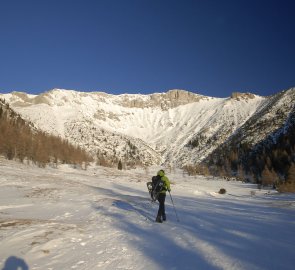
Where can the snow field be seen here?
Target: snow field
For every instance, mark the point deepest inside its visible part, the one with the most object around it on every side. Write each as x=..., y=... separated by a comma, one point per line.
x=103, y=219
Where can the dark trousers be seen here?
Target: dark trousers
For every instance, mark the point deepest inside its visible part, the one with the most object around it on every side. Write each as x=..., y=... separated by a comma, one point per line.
x=161, y=199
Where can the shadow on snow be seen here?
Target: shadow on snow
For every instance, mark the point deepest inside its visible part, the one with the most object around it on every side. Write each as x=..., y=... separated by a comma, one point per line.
x=15, y=263
x=213, y=233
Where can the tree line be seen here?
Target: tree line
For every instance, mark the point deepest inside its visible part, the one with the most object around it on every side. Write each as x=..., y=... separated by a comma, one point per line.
x=270, y=162
x=21, y=141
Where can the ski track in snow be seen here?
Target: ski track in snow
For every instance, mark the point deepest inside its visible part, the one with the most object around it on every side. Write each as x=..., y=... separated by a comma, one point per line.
x=103, y=219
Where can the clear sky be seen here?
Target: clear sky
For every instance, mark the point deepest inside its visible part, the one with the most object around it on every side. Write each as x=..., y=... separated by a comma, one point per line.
x=211, y=47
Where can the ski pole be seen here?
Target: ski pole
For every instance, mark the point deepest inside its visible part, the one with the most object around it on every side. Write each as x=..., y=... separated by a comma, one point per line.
x=173, y=206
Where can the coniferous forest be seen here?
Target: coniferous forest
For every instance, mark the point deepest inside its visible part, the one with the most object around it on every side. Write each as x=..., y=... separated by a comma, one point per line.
x=19, y=140
x=270, y=162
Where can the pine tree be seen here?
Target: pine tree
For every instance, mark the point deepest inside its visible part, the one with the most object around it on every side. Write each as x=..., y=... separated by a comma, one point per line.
x=120, y=166
x=268, y=177
x=291, y=174
x=289, y=185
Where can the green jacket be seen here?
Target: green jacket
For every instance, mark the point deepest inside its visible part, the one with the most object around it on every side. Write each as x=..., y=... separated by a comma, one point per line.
x=166, y=181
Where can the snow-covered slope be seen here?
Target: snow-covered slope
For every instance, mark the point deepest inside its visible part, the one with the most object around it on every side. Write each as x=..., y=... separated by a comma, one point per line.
x=268, y=130
x=177, y=127
x=102, y=219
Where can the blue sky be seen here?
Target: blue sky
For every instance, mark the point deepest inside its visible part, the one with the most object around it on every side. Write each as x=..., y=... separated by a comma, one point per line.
x=211, y=47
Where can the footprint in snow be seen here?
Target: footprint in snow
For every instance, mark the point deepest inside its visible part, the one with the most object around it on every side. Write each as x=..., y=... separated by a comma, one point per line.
x=77, y=265
x=75, y=240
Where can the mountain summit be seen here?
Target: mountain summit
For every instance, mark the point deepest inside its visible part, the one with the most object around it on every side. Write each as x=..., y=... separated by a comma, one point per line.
x=177, y=127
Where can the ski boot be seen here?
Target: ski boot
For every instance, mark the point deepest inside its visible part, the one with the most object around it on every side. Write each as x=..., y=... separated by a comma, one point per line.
x=159, y=219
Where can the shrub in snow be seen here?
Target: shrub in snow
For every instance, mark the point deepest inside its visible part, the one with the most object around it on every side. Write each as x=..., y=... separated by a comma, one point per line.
x=222, y=191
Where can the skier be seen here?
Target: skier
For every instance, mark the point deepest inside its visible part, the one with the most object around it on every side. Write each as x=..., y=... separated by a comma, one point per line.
x=162, y=195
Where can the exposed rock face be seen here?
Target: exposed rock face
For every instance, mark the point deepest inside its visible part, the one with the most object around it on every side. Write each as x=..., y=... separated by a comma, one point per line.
x=240, y=96
x=171, y=99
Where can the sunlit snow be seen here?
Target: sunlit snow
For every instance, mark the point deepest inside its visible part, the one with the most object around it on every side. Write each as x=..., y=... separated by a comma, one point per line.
x=102, y=218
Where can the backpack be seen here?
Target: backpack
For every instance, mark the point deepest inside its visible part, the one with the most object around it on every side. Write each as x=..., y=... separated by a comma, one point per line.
x=158, y=184
x=155, y=187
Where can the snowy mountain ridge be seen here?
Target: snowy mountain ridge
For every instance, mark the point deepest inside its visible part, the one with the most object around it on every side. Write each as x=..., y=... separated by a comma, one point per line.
x=177, y=127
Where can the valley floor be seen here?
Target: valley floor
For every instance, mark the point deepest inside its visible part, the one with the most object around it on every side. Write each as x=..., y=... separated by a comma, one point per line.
x=102, y=218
